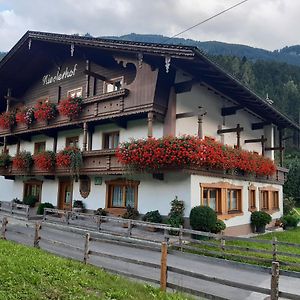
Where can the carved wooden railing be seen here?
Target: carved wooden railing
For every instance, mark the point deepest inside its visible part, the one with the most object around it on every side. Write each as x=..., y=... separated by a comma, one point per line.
x=94, y=108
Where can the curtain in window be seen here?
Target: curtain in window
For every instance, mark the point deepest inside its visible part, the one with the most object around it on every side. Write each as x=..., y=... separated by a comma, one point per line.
x=129, y=196
x=213, y=199
x=234, y=200
x=117, y=196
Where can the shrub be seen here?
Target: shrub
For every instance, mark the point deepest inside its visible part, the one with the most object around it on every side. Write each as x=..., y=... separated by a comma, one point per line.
x=219, y=227
x=175, y=217
x=4, y=159
x=290, y=221
x=153, y=216
x=30, y=200
x=101, y=212
x=289, y=204
x=42, y=206
x=260, y=218
x=23, y=161
x=131, y=213
x=203, y=218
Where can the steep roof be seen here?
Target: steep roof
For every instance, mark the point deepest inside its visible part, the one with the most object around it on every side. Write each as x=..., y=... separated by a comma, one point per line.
x=192, y=59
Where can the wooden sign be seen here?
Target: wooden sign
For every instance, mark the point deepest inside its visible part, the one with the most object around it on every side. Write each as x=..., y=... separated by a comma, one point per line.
x=60, y=75
x=85, y=187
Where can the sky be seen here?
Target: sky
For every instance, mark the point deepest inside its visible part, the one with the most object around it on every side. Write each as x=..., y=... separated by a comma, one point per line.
x=268, y=24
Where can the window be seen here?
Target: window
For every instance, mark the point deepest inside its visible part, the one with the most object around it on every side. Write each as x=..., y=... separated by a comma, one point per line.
x=39, y=147
x=113, y=85
x=275, y=198
x=233, y=200
x=75, y=93
x=264, y=200
x=72, y=141
x=122, y=193
x=211, y=197
x=224, y=198
x=111, y=140
x=252, y=198
x=33, y=188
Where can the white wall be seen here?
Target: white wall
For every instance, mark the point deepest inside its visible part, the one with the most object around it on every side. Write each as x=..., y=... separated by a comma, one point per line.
x=10, y=189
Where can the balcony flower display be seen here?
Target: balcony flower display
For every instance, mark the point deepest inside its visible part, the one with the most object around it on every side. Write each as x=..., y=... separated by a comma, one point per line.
x=192, y=152
x=45, y=160
x=5, y=159
x=23, y=161
x=45, y=111
x=7, y=119
x=70, y=107
x=70, y=158
x=25, y=116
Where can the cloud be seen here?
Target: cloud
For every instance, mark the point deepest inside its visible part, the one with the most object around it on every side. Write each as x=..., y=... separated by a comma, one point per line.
x=268, y=24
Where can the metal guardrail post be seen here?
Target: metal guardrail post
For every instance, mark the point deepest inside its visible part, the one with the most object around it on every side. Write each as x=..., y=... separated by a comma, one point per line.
x=164, y=266
x=275, y=281
x=4, y=228
x=37, y=236
x=86, y=248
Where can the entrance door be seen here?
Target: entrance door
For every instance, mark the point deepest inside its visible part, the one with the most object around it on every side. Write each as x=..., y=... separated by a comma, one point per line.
x=65, y=194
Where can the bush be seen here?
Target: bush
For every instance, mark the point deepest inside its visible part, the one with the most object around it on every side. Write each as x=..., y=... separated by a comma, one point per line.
x=175, y=217
x=153, y=216
x=30, y=200
x=101, y=212
x=260, y=219
x=131, y=213
x=219, y=227
x=203, y=218
x=42, y=206
x=290, y=221
x=288, y=205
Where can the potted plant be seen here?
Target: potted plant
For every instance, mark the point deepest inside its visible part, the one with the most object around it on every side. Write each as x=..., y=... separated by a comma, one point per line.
x=154, y=217
x=42, y=206
x=44, y=160
x=175, y=217
x=25, y=116
x=30, y=200
x=7, y=119
x=70, y=107
x=70, y=158
x=5, y=159
x=78, y=206
x=23, y=161
x=131, y=213
x=203, y=218
x=45, y=111
x=260, y=219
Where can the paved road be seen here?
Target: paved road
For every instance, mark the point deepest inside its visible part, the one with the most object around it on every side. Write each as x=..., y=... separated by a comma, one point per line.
x=197, y=264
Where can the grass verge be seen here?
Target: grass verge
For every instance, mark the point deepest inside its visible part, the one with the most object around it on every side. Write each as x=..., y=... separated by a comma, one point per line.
x=29, y=273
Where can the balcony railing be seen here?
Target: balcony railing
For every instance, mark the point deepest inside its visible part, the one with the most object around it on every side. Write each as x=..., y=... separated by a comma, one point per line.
x=104, y=162
x=94, y=108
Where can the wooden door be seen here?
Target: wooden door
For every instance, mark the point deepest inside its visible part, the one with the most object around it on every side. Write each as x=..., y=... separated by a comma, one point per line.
x=65, y=194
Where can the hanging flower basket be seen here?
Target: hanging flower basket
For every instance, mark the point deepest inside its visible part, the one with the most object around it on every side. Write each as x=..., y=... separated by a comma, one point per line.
x=189, y=151
x=23, y=161
x=25, y=116
x=70, y=158
x=45, y=111
x=70, y=107
x=45, y=160
x=7, y=119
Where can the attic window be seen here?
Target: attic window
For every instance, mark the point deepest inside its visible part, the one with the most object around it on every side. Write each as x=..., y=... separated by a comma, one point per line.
x=113, y=85
x=75, y=93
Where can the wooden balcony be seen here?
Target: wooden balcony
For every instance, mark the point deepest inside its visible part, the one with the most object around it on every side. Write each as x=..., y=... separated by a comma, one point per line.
x=95, y=108
x=97, y=162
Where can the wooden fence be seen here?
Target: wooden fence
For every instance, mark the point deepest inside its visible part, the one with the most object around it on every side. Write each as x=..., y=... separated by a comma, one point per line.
x=87, y=252
x=14, y=208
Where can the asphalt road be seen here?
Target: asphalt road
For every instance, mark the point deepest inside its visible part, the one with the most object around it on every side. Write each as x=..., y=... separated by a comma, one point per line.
x=151, y=254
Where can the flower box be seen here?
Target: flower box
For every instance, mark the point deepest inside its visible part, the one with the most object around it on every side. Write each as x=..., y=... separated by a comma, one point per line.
x=23, y=161
x=70, y=158
x=7, y=119
x=25, y=116
x=45, y=160
x=70, y=107
x=45, y=111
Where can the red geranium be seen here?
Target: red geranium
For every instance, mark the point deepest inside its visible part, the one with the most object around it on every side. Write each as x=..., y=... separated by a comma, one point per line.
x=7, y=119
x=25, y=116
x=45, y=111
x=188, y=151
x=45, y=160
x=23, y=161
x=70, y=158
x=70, y=107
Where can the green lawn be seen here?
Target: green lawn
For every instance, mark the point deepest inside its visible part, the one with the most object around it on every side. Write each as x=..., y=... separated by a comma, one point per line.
x=28, y=273
x=291, y=236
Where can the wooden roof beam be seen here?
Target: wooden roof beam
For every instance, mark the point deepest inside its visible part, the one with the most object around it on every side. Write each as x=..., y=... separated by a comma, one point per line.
x=184, y=87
